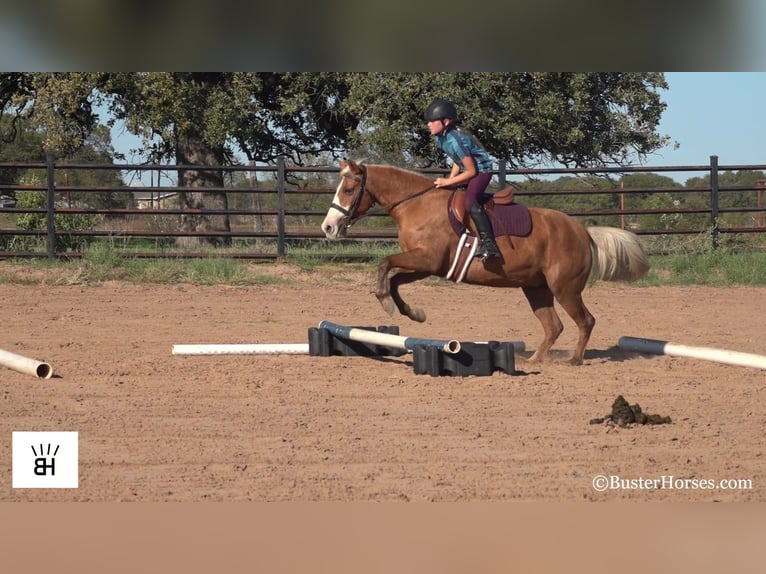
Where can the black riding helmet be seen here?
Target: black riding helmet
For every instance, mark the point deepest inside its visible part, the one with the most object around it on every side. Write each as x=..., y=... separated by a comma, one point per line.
x=440, y=109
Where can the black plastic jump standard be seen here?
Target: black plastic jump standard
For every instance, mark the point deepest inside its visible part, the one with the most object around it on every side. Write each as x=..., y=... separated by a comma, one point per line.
x=477, y=359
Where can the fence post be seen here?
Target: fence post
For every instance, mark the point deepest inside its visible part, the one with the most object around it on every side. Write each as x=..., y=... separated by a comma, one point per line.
x=501, y=177
x=714, y=199
x=50, y=206
x=280, y=207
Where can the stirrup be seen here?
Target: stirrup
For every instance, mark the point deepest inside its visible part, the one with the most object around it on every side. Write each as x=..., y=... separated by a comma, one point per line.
x=485, y=252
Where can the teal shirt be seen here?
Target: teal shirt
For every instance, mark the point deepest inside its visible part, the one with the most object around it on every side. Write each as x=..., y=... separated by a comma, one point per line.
x=458, y=145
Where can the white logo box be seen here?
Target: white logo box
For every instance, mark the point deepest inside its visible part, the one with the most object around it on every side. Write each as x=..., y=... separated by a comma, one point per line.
x=45, y=459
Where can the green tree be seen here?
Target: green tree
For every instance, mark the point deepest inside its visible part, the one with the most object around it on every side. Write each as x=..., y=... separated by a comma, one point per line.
x=738, y=190
x=27, y=147
x=202, y=119
x=96, y=150
x=14, y=94
x=595, y=196
x=578, y=120
x=18, y=144
x=66, y=224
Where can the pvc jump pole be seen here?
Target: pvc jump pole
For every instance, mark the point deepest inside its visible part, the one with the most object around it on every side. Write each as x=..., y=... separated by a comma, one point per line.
x=26, y=365
x=264, y=349
x=707, y=353
x=388, y=340
x=303, y=348
x=244, y=349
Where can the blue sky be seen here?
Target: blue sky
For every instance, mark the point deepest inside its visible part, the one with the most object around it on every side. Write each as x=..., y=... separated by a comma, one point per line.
x=708, y=113
x=713, y=113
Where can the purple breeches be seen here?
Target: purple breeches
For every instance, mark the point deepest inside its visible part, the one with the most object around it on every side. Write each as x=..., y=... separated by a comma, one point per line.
x=476, y=188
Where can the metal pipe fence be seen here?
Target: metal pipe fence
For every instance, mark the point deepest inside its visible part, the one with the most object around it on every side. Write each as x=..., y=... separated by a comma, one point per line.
x=41, y=215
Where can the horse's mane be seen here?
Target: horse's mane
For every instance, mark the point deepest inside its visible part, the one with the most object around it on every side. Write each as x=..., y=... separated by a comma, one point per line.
x=401, y=170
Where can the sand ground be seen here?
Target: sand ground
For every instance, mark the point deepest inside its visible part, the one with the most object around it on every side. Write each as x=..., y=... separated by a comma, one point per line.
x=154, y=426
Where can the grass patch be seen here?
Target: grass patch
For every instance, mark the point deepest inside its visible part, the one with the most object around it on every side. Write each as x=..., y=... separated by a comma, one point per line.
x=693, y=264
x=101, y=263
x=311, y=255
x=715, y=268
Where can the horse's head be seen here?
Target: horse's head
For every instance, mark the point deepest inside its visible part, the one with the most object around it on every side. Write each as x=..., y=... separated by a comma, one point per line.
x=351, y=200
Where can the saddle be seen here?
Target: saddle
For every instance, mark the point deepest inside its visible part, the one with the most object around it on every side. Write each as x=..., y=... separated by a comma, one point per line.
x=507, y=218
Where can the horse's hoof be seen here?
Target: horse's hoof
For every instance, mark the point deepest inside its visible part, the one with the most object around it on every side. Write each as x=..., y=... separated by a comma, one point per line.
x=388, y=307
x=418, y=315
x=415, y=314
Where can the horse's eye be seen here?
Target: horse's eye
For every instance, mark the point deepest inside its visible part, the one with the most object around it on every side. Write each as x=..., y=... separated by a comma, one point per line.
x=349, y=191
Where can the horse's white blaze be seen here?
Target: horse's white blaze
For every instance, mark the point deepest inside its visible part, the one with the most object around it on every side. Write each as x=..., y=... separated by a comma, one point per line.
x=332, y=224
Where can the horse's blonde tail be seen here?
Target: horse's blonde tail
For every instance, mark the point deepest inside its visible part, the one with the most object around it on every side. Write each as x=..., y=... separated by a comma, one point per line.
x=618, y=255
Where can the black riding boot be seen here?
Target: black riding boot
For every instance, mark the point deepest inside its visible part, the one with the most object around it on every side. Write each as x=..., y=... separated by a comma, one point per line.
x=488, y=247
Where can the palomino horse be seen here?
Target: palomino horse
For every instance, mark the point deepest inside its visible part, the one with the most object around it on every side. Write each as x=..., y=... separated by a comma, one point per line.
x=553, y=261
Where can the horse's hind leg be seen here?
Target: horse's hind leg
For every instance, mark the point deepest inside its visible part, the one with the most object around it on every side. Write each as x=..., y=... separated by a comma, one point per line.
x=541, y=301
x=573, y=304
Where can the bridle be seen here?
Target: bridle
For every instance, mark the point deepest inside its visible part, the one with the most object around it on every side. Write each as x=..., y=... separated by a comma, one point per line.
x=351, y=211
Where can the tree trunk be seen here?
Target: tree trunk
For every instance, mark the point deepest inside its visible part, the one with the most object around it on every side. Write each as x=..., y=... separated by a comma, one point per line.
x=191, y=150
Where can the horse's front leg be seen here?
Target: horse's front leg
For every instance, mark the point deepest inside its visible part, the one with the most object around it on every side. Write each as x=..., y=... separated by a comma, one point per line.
x=401, y=278
x=397, y=270
x=383, y=290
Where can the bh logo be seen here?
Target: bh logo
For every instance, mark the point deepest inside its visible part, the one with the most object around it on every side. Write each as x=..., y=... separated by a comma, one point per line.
x=42, y=466
x=45, y=460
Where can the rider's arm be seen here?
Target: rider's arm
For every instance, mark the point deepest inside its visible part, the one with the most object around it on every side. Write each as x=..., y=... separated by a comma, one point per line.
x=457, y=177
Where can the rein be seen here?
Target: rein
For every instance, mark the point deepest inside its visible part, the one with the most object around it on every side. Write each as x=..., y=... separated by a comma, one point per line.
x=380, y=209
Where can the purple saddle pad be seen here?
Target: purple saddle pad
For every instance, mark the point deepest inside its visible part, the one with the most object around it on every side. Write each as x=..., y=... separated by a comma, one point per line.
x=513, y=219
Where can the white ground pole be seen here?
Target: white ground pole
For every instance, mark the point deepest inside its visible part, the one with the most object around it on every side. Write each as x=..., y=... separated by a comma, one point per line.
x=387, y=339
x=707, y=353
x=26, y=365
x=267, y=349
x=244, y=349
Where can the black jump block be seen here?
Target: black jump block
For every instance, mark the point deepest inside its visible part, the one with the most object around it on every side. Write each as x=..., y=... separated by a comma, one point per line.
x=322, y=343
x=479, y=359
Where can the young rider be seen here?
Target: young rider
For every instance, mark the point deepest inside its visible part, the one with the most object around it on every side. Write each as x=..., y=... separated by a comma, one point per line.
x=471, y=166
